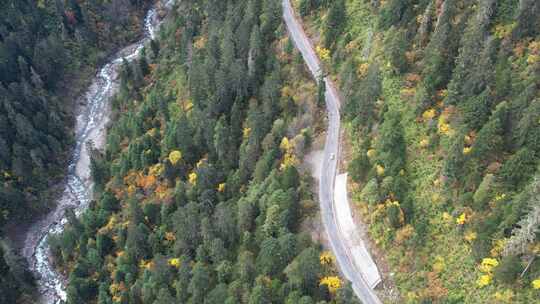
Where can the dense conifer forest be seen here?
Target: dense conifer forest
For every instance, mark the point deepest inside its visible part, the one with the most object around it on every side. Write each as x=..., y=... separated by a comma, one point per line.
x=201, y=192
x=43, y=45
x=49, y=49
x=200, y=195
x=442, y=106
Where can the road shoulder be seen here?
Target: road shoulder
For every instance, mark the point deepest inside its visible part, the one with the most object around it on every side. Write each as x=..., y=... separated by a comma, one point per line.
x=354, y=241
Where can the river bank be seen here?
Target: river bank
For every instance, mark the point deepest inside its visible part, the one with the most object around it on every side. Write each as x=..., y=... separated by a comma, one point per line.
x=91, y=120
x=71, y=92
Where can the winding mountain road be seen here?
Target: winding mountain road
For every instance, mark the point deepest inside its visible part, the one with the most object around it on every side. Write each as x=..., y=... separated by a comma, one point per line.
x=329, y=166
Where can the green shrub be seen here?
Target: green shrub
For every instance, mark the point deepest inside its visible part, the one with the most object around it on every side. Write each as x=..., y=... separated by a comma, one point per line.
x=395, y=216
x=484, y=192
x=466, y=199
x=370, y=193
x=508, y=270
x=481, y=246
x=359, y=167
x=517, y=170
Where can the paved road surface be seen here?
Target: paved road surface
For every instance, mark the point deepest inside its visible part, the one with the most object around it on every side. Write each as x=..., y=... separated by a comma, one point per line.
x=329, y=167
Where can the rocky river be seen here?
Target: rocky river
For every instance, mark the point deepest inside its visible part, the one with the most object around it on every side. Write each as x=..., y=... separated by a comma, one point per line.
x=90, y=128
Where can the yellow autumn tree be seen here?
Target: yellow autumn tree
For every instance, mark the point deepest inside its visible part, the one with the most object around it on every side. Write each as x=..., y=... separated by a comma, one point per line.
x=175, y=156
x=470, y=236
x=484, y=280
x=333, y=283
x=439, y=265
x=245, y=132
x=323, y=53
x=152, y=132
x=156, y=170
x=162, y=191
x=286, y=91
x=169, y=236
x=505, y=296
x=192, y=178
x=188, y=105
x=200, y=162
x=111, y=224
x=428, y=114
x=200, y=43
x=498, y=247
x=488, y=264
x=444, y=127
x=175, y=262
x=404, y=234
x=285, y=145
x=446, y=217
x=462, y=219
x=380, y=170
x=131, y=189
x=150, y=265
x=536, y=284
x=362, y=70
x=326, y=258
x=116, y=289
x=289, y=159
x=143, y=264
x=534, y=53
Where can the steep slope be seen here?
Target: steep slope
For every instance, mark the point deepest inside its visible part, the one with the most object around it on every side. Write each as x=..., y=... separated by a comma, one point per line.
x=48, y=51
x=442, y=103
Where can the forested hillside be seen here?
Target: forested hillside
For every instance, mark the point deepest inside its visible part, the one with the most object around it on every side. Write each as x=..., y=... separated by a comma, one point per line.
x=49, y=50
x=442, y=105
x=199, y=194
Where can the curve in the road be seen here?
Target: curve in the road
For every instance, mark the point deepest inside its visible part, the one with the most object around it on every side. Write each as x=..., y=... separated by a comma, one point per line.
x=329, y=166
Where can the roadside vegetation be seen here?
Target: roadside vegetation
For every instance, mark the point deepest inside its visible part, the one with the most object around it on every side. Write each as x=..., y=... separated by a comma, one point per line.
x=442, y=105
x=199, y=199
